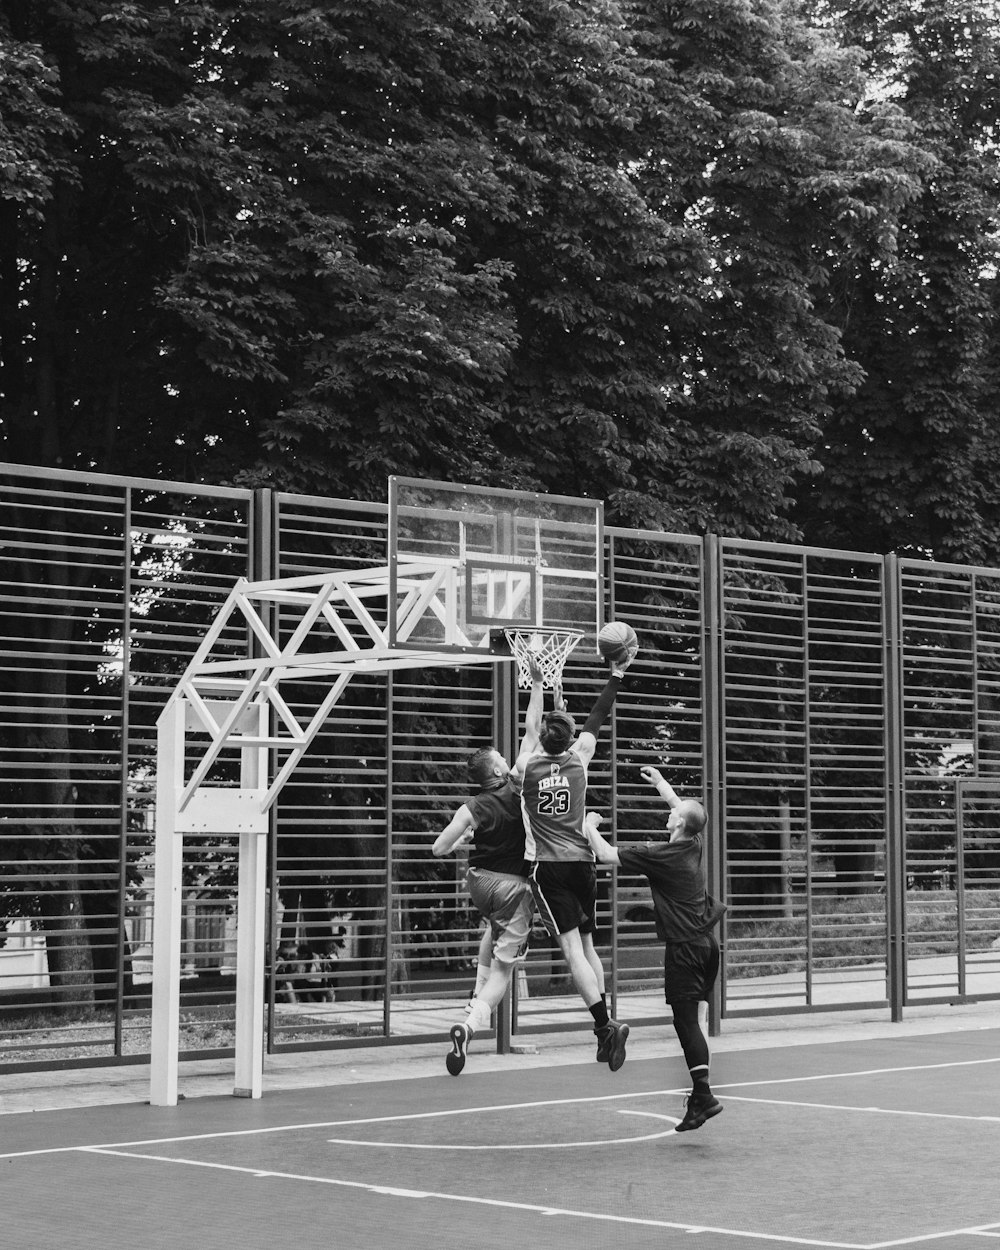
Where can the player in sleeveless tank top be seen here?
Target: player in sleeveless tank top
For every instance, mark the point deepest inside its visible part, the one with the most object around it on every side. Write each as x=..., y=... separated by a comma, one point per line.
x=563, y=873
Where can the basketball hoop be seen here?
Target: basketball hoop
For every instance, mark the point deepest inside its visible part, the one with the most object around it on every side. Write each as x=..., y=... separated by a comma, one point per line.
x=549, y=650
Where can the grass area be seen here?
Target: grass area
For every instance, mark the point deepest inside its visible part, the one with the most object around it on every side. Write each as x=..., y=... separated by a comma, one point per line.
x=850, y=931
x=38, y=1036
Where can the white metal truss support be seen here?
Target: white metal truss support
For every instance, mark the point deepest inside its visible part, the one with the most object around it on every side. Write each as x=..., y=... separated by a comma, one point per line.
x=332, y=624
x=210, y=810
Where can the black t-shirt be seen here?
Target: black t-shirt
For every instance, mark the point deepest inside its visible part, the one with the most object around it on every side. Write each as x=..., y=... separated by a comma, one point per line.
x=676, y=873
x=499, y=841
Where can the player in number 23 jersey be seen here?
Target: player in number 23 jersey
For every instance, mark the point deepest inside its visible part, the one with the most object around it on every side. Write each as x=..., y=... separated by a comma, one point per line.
x=554, y=803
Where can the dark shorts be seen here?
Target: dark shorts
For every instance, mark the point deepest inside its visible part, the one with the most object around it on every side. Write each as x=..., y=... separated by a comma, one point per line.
x=565, y=894
x=690, y=969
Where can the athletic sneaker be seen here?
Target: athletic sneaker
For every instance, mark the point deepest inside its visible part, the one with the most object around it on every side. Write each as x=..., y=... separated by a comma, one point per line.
x=700, y=1107
x=611, y=1044
x=461, y=1035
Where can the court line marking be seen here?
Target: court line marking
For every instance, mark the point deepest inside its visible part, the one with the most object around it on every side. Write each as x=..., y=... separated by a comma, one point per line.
x=978, y=1230
x=529, y=1207
x=493, y=1147
x=550, y=1102
x=835, y=1076
x=833, y=1106
x=394, y=1191
x=380, y=1119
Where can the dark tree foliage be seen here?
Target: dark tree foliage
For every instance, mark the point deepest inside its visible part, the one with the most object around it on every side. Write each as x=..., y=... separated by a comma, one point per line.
x=911, y=459
x=757, y=146
x=569, y=246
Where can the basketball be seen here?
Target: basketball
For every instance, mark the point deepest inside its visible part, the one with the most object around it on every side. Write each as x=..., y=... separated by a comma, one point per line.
x=615, y=640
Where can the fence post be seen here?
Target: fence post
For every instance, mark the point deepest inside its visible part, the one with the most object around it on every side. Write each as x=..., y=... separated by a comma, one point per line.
x=895, y=765
x=263, y=565
x=712, y=712
x=505, y=715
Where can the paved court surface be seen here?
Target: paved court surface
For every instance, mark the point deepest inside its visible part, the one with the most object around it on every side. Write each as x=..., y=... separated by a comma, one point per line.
x=852, y=1134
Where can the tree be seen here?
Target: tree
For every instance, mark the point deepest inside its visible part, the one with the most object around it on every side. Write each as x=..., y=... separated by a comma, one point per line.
x=911, y=461
x=755, y=144
x=550, y=245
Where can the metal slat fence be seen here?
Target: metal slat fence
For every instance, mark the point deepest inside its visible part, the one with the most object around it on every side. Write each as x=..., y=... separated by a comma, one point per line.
x=107, y=585
x=803, y=727
x=767, y=682
x=950, y=643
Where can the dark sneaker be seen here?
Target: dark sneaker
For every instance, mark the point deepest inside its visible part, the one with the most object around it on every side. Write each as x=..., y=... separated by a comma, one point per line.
x=611, y=1044
x=700, y=1107
x=455, y=1059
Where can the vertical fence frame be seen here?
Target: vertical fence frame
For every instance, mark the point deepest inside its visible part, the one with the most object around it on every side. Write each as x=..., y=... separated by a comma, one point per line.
x=713, y=737
x=895, y=792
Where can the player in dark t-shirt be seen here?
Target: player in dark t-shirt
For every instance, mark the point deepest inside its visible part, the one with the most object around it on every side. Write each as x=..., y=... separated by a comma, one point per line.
x=490, y=822
x=686, y=916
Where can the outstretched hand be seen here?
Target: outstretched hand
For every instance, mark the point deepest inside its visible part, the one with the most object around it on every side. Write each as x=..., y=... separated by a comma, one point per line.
x=650, y=774
x=621, y=662
x=534, y=669
x=558, y=702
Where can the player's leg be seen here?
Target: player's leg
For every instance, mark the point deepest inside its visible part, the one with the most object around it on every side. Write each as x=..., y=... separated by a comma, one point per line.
x=507, y=902
x=580, y=881
x=694, y=1043
x=483, y=960
x=593, y=959
x=689, y=974
x=564, y=893
x=580, y=967
x=611, y=1034
x=511, y=942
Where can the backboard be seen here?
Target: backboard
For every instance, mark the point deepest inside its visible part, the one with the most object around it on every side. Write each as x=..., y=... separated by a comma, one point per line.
x=484, y=559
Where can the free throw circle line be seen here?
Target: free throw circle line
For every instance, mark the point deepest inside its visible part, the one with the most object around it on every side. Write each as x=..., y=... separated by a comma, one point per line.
x=560, y=1145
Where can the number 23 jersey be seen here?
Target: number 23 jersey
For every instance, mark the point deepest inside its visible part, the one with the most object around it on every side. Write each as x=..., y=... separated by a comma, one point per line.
x=554, y=803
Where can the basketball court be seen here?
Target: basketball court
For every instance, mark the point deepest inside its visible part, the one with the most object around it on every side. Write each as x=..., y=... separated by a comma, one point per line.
x=870, y=1142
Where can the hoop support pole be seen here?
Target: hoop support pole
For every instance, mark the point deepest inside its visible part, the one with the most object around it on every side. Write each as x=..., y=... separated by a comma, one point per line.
x=168, y=851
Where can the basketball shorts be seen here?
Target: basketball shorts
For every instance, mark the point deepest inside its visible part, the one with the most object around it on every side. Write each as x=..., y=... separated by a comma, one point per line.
x=504, y=901
x=690, y=969
x=565, y=894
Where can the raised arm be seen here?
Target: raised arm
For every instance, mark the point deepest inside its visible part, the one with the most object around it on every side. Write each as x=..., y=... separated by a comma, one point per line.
x=663, y=787
x=532, y=721
x=586, y=743
x=533, y=715
x=458, y=830
x=602, y=848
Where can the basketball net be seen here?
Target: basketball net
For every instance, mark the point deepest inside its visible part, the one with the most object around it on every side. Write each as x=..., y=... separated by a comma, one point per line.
x=549, y=651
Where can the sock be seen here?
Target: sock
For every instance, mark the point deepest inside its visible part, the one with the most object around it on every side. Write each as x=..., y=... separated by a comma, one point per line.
x=699, y=1078
x=600, y=1013
x=479, y=1016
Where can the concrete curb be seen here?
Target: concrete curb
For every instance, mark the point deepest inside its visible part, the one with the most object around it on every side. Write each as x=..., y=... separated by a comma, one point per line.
x=91, y=1087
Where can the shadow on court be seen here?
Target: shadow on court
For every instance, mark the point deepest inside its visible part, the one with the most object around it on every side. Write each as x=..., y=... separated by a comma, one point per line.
x=856, y=1144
